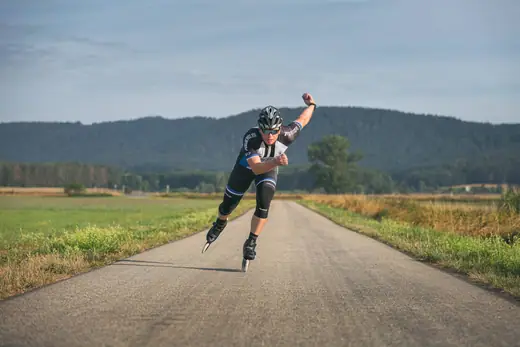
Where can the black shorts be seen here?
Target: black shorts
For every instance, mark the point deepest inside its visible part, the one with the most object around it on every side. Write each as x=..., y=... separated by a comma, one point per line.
x=241, y=178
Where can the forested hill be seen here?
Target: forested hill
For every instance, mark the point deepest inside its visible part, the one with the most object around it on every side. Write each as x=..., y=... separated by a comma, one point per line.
x=389, y=140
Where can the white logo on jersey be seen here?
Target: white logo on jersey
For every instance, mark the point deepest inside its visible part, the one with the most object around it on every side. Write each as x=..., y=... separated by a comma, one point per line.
x=247, y=138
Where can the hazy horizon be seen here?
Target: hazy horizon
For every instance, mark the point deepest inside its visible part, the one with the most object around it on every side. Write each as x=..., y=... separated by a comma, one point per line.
x=96, y=61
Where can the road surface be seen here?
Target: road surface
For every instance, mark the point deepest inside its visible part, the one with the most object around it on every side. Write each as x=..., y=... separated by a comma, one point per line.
x=313, y=284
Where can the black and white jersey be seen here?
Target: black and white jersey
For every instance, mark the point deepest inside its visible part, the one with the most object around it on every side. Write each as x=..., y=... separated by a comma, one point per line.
x=252, y=143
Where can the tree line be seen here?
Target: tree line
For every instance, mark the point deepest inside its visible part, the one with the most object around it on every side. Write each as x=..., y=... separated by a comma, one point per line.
x=332, y=168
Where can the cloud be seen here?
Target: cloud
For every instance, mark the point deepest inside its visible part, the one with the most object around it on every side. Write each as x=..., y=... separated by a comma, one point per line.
x=98, y=60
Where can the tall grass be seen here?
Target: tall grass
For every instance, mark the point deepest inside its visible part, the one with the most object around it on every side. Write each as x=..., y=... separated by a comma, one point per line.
x=465, y=219
x=443, y=197
x=510, y=201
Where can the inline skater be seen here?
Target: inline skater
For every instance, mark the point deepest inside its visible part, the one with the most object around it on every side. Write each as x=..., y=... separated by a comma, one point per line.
x=263, y=150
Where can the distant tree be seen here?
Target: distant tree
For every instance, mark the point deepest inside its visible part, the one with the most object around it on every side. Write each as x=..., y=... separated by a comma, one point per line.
x=333, y=167
x=72, y=189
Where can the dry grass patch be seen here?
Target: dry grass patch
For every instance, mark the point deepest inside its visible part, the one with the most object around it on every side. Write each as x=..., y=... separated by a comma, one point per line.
x=52, y=191
x=465, y=219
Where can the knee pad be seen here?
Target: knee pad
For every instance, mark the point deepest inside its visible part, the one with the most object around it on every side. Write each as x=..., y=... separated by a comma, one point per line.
x=261, y=212
x=229, y=203
x=264, y=195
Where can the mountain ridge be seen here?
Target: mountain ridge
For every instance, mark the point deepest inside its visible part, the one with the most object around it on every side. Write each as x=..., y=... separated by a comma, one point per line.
x=160, y=117
x=390, y=140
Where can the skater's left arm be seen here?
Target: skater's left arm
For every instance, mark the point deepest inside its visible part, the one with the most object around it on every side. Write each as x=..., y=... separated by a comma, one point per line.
x=306, y=115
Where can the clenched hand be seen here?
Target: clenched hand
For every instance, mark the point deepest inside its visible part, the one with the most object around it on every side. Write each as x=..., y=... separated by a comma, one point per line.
x=282, y=160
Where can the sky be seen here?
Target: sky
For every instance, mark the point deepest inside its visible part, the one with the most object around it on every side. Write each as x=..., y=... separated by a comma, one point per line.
x=96, y=61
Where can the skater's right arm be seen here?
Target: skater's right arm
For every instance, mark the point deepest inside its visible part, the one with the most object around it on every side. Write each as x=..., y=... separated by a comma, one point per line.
x=260, y=167
x=306, y=115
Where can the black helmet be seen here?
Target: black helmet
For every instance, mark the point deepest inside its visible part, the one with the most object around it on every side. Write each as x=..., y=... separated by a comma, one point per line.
x=270, y=118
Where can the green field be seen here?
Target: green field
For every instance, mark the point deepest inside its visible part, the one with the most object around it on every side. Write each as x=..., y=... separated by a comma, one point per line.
x=44, y=239
x=54, y=215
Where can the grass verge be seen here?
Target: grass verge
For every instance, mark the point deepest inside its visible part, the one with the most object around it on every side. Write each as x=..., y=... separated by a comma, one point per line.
x=488, y=261
x=460, y=218
x=36, y=258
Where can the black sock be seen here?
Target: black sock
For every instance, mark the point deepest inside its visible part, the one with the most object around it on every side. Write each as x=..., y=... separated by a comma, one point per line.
x=221, y=222
x=252, y=236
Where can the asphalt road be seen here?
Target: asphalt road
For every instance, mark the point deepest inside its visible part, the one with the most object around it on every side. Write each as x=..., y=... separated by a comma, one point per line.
x=313, y=284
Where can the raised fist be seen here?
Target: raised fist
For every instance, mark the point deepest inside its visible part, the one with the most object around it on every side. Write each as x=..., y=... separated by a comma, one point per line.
x=307, y=98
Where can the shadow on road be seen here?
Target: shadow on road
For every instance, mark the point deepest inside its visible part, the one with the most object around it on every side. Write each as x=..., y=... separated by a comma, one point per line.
x=166, y=264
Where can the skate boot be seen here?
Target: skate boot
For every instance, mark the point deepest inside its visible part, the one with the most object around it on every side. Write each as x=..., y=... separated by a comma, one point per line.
x=214, y=232
x=249, y=252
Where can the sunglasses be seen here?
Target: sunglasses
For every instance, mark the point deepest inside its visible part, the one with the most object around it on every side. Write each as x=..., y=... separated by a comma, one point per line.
x=270, y=131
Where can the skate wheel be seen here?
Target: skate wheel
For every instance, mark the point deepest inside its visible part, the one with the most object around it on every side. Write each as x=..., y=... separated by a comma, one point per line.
x=206, y=246
x=245, y=265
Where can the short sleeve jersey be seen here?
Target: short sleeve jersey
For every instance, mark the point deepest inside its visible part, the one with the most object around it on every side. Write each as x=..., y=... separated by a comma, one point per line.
x=252, y=143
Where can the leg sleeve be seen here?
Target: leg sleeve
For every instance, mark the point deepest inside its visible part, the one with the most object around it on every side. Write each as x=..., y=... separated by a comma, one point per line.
x=239, y=181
